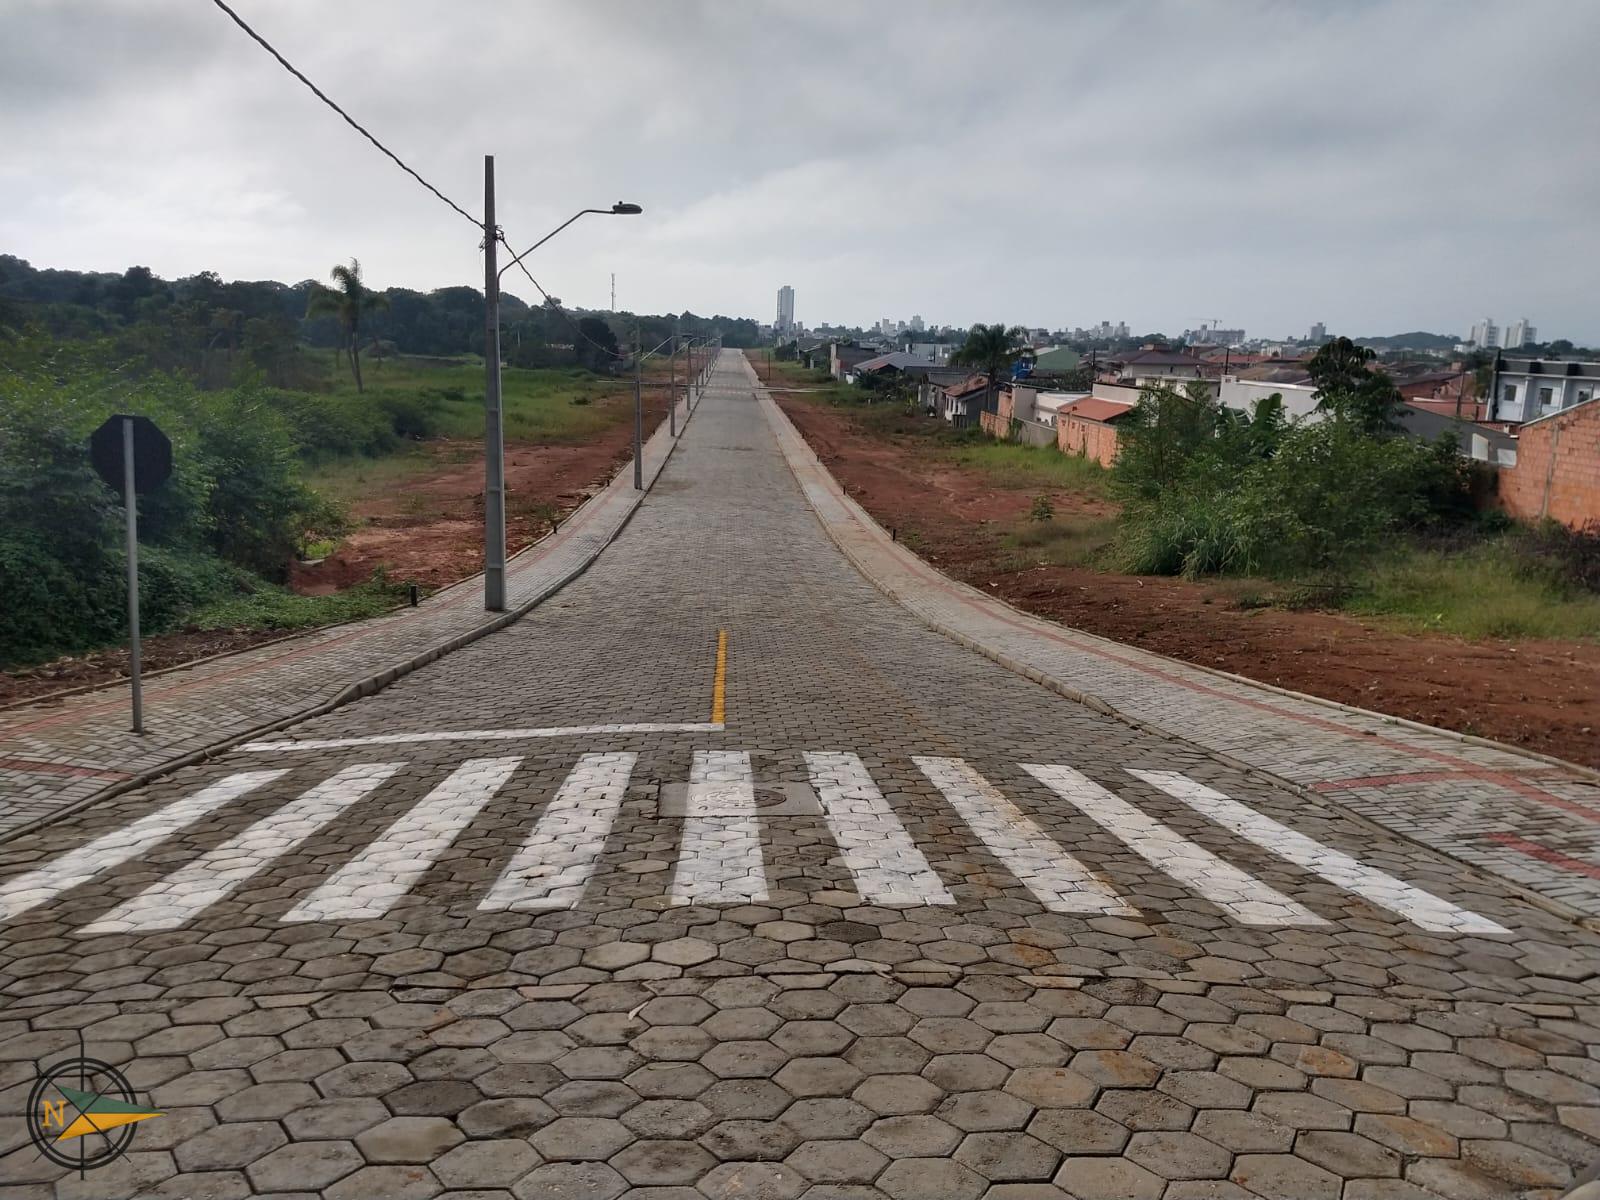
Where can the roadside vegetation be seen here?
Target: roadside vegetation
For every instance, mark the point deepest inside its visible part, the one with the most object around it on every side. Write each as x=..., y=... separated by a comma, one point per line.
x=1341, y=515
x=289, y=408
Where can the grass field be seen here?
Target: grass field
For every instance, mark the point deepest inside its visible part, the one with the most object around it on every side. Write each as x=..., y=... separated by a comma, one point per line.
x=1484, y=592
x=1008, y=465
x=554, y=404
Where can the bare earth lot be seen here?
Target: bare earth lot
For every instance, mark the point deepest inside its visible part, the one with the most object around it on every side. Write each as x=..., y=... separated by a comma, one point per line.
x=1541, y=695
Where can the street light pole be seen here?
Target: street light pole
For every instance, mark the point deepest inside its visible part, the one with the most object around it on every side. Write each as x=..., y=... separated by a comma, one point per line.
x=672, y=384
x=494, y=455
x=494, y=463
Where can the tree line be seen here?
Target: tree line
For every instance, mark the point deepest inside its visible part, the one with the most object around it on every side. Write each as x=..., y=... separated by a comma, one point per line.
x=207, y=328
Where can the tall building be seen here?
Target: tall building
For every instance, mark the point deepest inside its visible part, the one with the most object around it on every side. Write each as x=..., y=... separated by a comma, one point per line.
x=1485, y=334
x=1519, y=334
x=1318, y=333
x=916, y=323
x=785, y=321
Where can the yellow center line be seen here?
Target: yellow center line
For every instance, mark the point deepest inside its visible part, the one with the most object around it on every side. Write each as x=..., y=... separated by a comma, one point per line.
x=720, y=683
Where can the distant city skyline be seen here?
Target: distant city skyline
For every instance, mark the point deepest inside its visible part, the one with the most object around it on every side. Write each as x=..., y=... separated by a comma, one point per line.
x=1218, y=160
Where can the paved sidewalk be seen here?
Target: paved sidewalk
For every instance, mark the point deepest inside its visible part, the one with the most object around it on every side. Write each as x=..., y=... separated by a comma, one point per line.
x=56, y=753
x=1523, y=818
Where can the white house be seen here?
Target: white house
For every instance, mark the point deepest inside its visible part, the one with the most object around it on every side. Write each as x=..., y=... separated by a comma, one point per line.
x=1526, y=389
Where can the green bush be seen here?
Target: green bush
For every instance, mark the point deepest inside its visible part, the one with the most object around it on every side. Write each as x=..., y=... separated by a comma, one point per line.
x=1208, y=491
x=235, y=505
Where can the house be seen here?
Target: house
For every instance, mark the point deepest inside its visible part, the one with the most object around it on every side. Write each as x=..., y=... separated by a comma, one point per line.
x=1056, y=360
x=1088, y=427
x=842, y=360
x=1484, y=443
x=1170, y=368
x=958, y=401
x=937, y=353
x=1033, y=401
x=1526, y=389
x=812, y=353
x=1024, y=413
x=1556, y=474
x=895, y=361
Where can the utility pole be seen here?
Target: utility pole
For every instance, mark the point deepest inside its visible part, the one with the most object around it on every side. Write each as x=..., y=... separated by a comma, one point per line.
x=672, y=383
x=638, y=417
x=494, y=466
x=613, y=291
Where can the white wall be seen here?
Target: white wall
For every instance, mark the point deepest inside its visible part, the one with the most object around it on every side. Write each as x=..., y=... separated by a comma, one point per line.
x=1299, y=399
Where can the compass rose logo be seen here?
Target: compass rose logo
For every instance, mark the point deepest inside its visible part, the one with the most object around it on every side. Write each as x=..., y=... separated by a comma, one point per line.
x=82, y=1112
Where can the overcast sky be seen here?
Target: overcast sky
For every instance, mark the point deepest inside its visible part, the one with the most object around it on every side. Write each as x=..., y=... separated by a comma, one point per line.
x=1379, y=166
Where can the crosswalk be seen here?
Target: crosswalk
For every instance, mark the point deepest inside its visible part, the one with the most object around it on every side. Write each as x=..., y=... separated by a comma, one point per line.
x=722, y=857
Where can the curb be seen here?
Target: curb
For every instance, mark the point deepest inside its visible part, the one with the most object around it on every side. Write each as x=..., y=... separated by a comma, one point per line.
x=376, y=682
x=1101, y=706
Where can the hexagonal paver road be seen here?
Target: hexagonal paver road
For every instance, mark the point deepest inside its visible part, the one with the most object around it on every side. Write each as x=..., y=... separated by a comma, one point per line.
x=575, y=913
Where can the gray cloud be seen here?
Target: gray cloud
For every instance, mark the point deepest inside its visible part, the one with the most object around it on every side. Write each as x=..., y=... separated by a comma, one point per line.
x=1379, y=166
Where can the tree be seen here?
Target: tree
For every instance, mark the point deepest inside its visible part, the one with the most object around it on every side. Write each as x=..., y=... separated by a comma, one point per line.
x=349, y=302
x=595, y=345
x=994, y=350
x=1349, y=390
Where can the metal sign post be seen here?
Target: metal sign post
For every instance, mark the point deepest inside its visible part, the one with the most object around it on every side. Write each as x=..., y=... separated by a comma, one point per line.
x=132, y=455
x=131, y=504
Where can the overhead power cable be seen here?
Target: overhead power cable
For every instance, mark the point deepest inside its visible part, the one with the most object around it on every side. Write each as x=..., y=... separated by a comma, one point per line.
x=351, y=121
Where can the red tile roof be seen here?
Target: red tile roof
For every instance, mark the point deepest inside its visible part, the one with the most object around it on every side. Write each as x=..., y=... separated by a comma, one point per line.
x=1092, y=408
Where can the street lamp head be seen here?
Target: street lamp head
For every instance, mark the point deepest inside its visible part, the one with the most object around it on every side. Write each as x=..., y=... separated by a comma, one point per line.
x=626, y=210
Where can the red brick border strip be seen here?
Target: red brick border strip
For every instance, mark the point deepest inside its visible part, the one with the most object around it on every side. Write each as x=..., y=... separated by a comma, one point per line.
x=1545, y=854
x=33, y=766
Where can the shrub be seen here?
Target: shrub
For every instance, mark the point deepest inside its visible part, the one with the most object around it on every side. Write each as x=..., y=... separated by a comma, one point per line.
x=1042, y=509
x=235, y=504
x=1209, y=491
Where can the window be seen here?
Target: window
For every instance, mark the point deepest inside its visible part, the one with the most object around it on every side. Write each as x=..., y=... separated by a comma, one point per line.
x=1546, y=397
x=1584, y=394
x=1508, y=393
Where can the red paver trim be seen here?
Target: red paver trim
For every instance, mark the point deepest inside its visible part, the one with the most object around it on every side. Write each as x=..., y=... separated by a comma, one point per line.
x=1482, y=774
x=29, y=766
x=1554, y=857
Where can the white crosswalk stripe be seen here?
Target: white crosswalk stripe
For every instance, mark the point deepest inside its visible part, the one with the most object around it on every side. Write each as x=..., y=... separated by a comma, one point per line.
x=190, y=890
x=1230, y=889
x=888, y=867
x=1415, y=905
x=1060, y=882
x=555, y=863
x=33, y=888
x=719, y=861
x=370, y=884
x=721, y=854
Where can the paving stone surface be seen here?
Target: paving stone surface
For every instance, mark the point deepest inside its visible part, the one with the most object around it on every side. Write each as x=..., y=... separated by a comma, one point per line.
x=898, y=963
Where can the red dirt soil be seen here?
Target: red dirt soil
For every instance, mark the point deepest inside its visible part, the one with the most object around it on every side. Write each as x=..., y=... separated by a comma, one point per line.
x=431, y=530
x=1544, y=696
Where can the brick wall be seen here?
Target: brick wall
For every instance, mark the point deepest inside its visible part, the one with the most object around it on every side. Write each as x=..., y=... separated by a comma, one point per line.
x=994, y=424
x=1092, y=439
x=1558, y=468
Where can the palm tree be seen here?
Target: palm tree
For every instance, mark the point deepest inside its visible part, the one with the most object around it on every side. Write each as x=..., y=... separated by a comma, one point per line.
x=994, y=350
x=349, y=302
